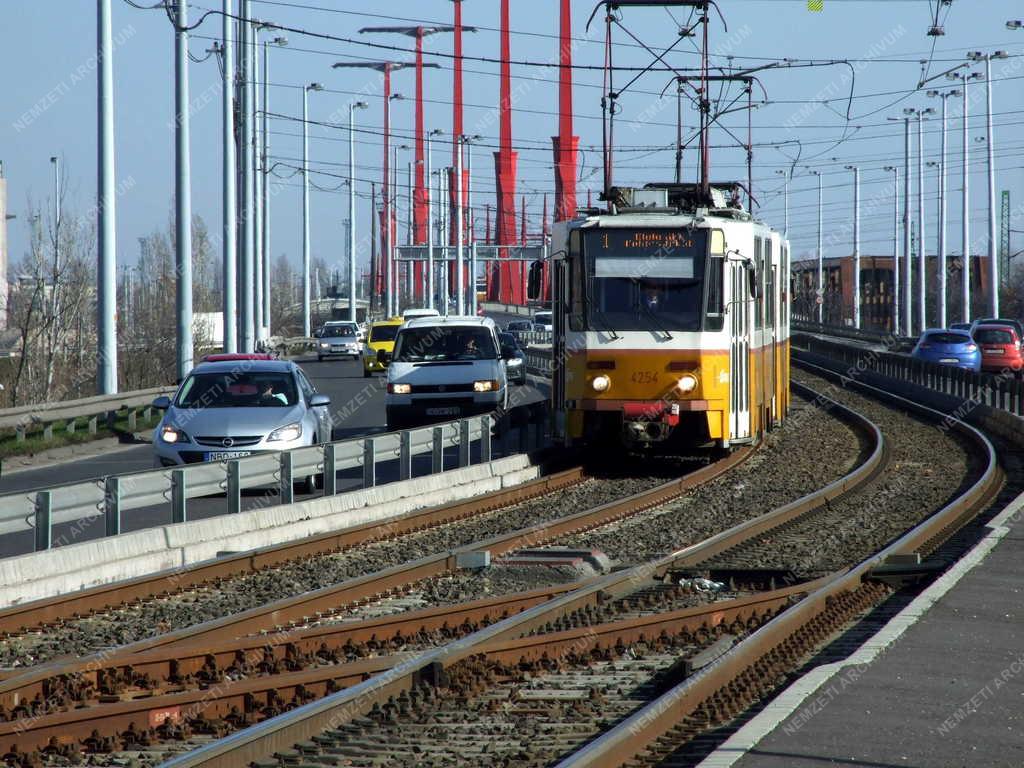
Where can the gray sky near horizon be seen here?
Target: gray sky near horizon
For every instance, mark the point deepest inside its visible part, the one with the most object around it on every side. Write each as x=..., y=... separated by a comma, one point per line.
x=49, y=108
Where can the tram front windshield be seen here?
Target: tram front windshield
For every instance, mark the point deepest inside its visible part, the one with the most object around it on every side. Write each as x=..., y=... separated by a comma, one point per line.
x=645, y=279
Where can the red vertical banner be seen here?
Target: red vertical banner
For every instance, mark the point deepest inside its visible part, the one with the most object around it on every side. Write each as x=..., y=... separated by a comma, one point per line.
x=565, y=145
x=509, y=278
x=419, y=199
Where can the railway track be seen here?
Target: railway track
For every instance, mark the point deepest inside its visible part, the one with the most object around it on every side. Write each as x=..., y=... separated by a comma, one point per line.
x=467, y=689
x=604, y=613
x=164, y=681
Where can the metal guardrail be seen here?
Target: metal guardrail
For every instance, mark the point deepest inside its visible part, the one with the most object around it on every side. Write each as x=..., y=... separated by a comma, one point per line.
x=108, y=499
x=1003, y=390
x=889, y=340
x=71, y=411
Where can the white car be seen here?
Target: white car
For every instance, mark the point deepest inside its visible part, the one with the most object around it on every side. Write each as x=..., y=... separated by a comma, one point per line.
x=545, y=320
x=338, y=337
x=445, y=368
x=413, y=313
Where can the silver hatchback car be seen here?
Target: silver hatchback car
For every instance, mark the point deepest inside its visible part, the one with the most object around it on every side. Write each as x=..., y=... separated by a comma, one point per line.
x=238, y=405
x=338, y=338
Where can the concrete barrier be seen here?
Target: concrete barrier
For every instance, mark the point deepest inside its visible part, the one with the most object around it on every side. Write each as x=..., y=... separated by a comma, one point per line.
x=115, y=558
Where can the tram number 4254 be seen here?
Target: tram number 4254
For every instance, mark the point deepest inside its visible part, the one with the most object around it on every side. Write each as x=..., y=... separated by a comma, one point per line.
x=644, y=377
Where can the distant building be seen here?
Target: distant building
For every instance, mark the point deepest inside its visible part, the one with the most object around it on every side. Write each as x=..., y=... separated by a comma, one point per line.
x=876, y=287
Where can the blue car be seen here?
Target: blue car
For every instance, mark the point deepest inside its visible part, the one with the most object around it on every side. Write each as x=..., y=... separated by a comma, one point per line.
x=948, y=347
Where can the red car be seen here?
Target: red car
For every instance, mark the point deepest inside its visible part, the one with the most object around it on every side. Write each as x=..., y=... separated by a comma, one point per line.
x=1000, y=348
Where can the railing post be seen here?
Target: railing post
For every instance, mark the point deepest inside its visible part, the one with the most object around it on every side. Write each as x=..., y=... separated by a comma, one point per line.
x=234, y=487
x=44, y=506
x=112, y=505
x=437, y=451
x=330, y=469
x=147, y=414
x=48, y=432
x=93, y=425
x=179, y=489
x=70, y=426
x=287, y=487
x=464, y=443
x=369, y=462
x=132, y=420
x=19, y=432
x=404, y=454
x=485, y=439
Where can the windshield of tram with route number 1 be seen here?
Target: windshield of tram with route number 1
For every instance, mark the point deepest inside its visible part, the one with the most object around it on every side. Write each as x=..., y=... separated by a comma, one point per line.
x=642, y=279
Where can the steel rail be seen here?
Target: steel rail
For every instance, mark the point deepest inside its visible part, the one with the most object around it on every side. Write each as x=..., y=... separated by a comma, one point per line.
x=241, y=748
x=644, y=727
x=47, y=611
x=285, y=614
x=243, y=698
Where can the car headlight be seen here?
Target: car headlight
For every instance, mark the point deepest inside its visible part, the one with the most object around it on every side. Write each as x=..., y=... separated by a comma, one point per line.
x=487, y=385
x=600, y=383
x=399, y=389
x=515, y=361
x=687, y=383
x=171, y=434
x=285, y=434
x=324, y=345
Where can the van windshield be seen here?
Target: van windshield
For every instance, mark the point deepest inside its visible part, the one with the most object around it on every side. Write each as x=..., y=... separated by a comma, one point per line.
x=383, y=332
x=440, y=344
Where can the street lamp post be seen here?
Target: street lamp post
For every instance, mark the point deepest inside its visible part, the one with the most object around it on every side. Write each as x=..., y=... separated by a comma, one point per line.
x=460, y=277
x=468, y=142
x=182, y=195
x=264, y=327
x=785, y=200
x=895, y=247
x=856, y=244
x=965, y=224
x=922, y=259
x=352, y=207
x=429, y=276
x=993, y=263
x=306, y=330
x=821, y=258
x=229, y=308
x=942, y=207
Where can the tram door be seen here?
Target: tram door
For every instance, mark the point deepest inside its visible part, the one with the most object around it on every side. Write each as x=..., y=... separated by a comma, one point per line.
x=739, y=354
x=559, y=294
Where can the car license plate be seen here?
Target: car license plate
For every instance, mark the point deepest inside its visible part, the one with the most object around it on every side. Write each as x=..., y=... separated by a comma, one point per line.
x=949, y=360
x=995, y=351
x=451, y=411
x=224, y=455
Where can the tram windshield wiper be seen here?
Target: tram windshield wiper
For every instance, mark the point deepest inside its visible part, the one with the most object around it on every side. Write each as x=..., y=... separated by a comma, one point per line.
x=654, y=317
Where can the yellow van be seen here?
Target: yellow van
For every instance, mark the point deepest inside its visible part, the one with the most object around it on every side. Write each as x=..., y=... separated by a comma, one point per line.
x=380, y=338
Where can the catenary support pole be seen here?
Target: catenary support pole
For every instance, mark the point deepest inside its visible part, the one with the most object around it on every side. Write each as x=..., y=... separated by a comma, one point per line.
x=182, y=196
x=106, y=273
x=228, y=169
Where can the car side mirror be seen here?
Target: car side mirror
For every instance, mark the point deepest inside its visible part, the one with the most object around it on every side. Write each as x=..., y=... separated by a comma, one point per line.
x=534, y=280
x=382, y=356
x=508, y=353
x=162, y=403
x=318, y=400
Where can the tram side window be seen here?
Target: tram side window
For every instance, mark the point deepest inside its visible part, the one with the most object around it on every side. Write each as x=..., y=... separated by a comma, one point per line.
x=759, y=267
x=769, y=284
x=716, y=299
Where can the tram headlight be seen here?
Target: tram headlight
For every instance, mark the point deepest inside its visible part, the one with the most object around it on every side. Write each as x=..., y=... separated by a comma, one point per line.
x=600, y=383
x=687, y=383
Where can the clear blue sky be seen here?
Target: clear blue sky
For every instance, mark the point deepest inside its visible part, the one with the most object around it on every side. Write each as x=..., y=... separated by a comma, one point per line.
x=48, y=62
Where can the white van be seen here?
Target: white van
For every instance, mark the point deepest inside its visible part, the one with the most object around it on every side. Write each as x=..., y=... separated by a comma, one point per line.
x=445, y=368
x=413, y=313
